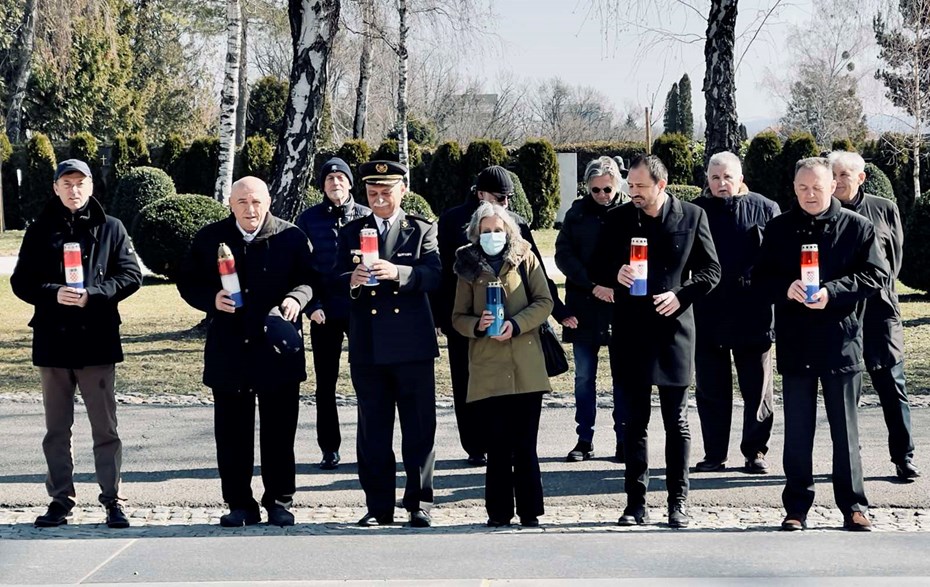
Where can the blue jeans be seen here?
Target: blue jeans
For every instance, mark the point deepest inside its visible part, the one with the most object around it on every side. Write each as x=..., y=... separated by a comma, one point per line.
x=586, y=394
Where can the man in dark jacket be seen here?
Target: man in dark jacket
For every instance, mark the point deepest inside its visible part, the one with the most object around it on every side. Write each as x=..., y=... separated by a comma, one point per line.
x=590, y=305
x=819, y=336
x=75, y=325
x=883, y=332
x=730, y=319
x=392, y=345
x=492, y=185
x=242, y=361
x=656, y=347
x=329, y=308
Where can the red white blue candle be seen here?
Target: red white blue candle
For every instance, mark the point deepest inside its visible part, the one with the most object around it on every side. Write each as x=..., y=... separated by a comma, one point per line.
x=228, y=275
x=639, y=262
x=74, y=270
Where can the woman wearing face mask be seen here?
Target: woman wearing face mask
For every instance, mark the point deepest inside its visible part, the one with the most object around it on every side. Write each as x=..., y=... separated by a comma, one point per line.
x=507, y=372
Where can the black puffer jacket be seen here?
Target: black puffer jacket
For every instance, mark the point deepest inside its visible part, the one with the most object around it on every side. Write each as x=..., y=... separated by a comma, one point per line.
x=574, y=248
x=730, y=316
x=68, y=336
x=852, y=268
x=275, y=265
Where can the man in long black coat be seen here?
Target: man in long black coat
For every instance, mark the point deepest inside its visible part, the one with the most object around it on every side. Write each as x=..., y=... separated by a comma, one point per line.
x=654, y=333
x=241, y=363
x=392, y=345
x=883, y=332
x=821, y=339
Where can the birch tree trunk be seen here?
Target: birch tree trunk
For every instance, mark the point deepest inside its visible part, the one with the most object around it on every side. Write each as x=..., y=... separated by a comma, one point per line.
x=242, y=108
x=722, y=133
x=230, y=97
x=364, y=73
x=402, y=56
x=27, y=38
x=314, y=24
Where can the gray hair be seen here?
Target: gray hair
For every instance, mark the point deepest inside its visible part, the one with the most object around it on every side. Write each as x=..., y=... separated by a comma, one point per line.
x=813, y=163
x=489, y=210
x=851, y=161
x=603, y=166
x=725, y=159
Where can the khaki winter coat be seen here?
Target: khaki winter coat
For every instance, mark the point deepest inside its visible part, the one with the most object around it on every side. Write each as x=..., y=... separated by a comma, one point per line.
x=517, y=365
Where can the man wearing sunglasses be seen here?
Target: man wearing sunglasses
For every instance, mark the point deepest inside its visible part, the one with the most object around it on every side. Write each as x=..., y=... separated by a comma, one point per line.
x=493, y=185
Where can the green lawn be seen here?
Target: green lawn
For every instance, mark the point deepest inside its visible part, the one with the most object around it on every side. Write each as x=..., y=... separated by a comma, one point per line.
x=9, y=242
x=545, y=240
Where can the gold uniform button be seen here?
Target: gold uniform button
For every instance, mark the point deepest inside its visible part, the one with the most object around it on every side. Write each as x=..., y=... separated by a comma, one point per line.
x=395, y=293
x=397, y=310
x=373, y=312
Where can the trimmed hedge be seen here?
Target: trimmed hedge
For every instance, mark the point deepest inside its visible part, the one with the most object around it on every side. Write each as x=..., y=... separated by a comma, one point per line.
x=165, y=229
x=446, y=187
x=388, y=151
x=38, y=177
x=255, y=158
x=800, y=145
x=138, y=151
x=537, y=164
x=480, y=154
x=171, y=153
x=84, y=146
x=119, y=161
x=414, y=203
x=843, y=145
x=519, y=204
x=138, y=188
x=915, y=267
x=761, y=165
x=196, y=170
x=877, y=183
x=674, y=150
x=354, y=152
x=685, y=193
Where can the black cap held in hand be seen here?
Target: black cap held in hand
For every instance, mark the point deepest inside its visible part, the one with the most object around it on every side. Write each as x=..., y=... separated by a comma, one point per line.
x=494, y=180
x=283, y=334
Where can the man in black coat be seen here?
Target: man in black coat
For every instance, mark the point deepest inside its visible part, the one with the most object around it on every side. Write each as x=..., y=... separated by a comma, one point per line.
x=329, y=308
x=242, y=361
x=76, y=341
x=883, y=332
x=654, y=333
x=392, y=345
x=819, y=338
x=731, y=320
x=494, y=185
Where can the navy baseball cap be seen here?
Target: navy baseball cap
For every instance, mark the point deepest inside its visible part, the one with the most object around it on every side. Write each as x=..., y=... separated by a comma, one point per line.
x=72, y=166
x=284, y=335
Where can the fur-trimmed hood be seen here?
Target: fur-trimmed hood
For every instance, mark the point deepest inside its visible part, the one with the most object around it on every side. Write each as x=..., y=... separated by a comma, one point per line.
x=470, y=260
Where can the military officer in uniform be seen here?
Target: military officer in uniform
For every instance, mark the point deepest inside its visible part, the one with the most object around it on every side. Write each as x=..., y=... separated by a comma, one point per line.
x=392, y=345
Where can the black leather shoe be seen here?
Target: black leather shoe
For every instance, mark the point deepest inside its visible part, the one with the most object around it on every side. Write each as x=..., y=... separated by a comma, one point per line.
x=279, y=516
x=634, y=517
x=529, y=522
x=677, y=518
x=619, y=455
x=116, y=518
x=56, y=515
x=420, y=519
x=492, y=523
x=370, y=520
x=582, y=452
x=240, y=517
x=857, y=522
x=330, y=461
x=794, y=523
x=907, y=471
x=710, y=466
x=477, y=460
x=757, y=465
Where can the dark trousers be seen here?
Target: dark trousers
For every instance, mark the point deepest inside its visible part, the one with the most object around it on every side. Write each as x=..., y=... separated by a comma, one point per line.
x=511, y=424
x=326, y=340
x=467, y=417
x=234, y=427
x=411, y=388
x=674, y=407
x=892, y=393
x=839, y=396
x=714, y=394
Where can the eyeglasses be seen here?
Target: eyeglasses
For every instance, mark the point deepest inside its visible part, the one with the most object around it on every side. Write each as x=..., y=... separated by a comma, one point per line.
x=606, y=190
x=501, y=198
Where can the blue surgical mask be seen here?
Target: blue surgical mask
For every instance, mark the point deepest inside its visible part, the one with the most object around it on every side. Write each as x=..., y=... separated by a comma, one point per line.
x=493, y=242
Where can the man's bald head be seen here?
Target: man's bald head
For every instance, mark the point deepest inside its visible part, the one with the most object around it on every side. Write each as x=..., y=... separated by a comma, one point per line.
x=249, y=200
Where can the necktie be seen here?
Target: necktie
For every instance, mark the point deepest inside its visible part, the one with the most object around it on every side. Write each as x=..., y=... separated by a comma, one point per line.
x=385, y=227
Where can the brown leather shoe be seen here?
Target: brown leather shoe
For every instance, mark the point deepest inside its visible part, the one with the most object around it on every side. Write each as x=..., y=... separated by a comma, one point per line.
x=857, y=522
x=793, y=523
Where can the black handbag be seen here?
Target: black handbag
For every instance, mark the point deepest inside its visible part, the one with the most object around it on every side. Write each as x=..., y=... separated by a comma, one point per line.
x=553, y=353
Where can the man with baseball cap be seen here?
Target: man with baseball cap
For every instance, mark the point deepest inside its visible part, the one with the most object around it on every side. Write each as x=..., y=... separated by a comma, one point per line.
x=392, y=344
x=493, y=184
x=76, y=340
x=329, y=308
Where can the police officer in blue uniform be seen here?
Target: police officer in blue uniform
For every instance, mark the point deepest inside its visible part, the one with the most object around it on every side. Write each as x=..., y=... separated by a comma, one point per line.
x=392, y=345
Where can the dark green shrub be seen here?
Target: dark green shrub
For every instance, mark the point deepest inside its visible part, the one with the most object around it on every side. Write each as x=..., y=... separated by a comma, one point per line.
x=586, y=152
x=197, y=169
x=843, y=145
x=354, y=152
x=138, y=188
x=171, y=153
x=877, y=183
x=480, y=154
x=255, y=158
x=267, y=101
x=84, y=146
x=11, y=159
x=138, y=151
x=388, y=151
x=674, y=150
x=421, y=132
x=414, y=203
x=119, y=161
x=915, y=267
x=539, y=168
x=166, y=227
x=38, y=177
x=685, y=193
x=447, y=187
x=419, y=174
x=800, y=145
x=519, y=204
x=893, y=154
x=760, y=168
